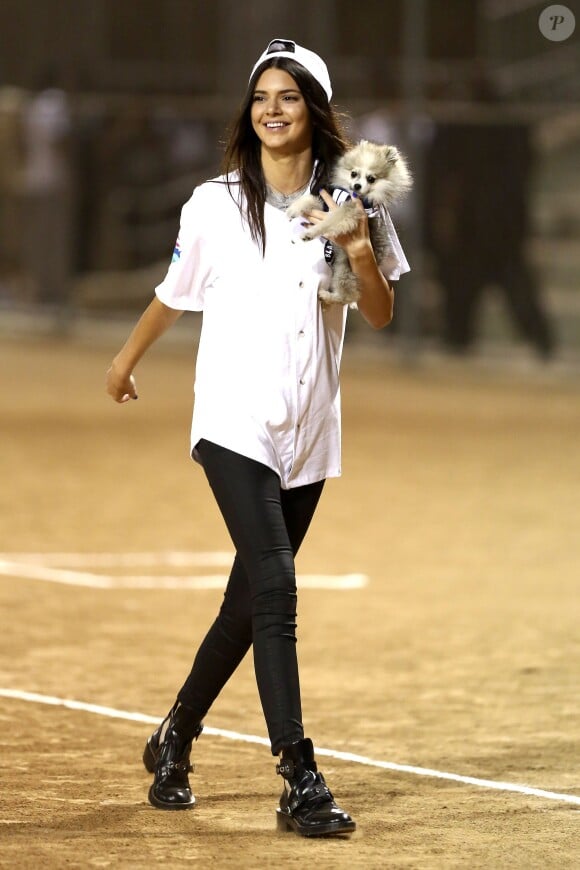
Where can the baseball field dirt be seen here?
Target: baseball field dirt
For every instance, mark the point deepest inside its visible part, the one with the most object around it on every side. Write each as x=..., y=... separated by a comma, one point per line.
x=438, y=621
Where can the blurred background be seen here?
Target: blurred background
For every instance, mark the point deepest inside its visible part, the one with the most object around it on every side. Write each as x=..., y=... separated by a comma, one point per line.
x=111, y=112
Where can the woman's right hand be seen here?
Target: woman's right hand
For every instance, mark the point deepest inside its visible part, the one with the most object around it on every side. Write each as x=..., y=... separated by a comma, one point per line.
x=154, y=321
x=120, y=384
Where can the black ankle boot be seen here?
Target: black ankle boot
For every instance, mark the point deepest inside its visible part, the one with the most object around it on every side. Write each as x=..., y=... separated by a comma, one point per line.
x=167, y=756
x=308, y=808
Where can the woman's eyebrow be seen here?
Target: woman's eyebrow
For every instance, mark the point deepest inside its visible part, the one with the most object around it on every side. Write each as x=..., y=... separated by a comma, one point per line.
x=284, y=91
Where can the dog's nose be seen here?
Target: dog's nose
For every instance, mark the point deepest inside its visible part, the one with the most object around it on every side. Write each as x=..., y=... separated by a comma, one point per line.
x=357, y=186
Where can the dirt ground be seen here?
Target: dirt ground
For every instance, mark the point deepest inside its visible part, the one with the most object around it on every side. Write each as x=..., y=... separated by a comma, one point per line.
x=459, y=502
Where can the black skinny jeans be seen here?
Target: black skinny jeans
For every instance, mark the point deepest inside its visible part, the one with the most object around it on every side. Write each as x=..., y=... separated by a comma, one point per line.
x=267, y=525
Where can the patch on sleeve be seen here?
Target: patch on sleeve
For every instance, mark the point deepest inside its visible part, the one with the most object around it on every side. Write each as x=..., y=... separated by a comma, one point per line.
x=176, y=251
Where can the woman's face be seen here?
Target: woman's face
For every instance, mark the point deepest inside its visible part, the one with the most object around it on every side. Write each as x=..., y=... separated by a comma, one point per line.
x=280, y=116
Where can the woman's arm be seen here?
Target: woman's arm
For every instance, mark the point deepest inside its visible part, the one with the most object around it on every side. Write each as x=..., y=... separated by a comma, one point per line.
x=377, y=297
x=154, y=321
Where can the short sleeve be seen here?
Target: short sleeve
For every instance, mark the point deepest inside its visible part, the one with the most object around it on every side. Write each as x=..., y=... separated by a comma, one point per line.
x=190, y=270
x=395, y=263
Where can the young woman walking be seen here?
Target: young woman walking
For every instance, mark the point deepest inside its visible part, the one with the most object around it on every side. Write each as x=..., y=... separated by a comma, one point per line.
x=266, y=420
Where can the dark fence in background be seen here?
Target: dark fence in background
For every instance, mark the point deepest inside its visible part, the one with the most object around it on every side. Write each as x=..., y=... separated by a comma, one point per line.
x=115, y=111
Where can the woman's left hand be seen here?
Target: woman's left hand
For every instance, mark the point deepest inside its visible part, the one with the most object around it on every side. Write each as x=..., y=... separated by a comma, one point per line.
x=354, y=241
x=376, y=298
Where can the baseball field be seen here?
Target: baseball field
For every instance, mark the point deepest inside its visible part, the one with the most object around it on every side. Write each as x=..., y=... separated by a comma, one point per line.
x=439, y=621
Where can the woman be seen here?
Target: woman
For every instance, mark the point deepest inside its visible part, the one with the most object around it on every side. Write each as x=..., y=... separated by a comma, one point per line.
x=266, y=421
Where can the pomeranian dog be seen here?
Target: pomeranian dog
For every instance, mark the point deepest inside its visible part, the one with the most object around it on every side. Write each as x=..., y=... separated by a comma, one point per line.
x=379, y=176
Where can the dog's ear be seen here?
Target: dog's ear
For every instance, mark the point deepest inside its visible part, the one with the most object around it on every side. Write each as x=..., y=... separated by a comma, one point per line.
x=391, y=154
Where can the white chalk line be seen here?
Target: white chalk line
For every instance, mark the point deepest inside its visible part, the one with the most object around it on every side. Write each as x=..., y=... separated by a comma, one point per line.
x=168, y=558
x=34, y=567
x=113, y=713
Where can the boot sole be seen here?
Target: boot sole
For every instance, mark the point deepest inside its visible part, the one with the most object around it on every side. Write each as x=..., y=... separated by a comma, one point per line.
x=286, y=823
x=160, y=805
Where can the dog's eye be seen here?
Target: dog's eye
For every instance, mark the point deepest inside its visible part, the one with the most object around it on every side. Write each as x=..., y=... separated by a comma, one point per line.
x=371, y=179
x=354, y=174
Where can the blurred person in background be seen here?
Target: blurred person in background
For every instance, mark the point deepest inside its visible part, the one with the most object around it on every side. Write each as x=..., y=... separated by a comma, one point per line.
x=477, y=211
x=266, y=420
x=47, y=180
x=12, y=101
x=132, y=159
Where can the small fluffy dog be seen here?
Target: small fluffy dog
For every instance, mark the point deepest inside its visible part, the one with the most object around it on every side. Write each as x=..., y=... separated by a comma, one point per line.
x=378, y=174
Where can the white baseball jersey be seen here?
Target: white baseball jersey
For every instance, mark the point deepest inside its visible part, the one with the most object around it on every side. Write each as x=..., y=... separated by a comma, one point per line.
x=267, y=373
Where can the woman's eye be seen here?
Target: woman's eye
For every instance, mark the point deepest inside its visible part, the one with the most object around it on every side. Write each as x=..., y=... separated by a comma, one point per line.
x=371, y=179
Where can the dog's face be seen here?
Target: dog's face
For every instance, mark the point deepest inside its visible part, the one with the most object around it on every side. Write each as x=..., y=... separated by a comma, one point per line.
x=374, y=172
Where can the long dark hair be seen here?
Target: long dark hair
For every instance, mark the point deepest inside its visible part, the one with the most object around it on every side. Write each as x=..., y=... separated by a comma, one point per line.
x=243, y=149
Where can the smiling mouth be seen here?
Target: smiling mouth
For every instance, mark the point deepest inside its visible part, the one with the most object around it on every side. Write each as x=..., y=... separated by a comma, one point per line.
x=275, y=125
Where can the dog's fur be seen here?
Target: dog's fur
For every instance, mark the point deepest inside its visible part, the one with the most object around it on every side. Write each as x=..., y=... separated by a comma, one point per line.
x=378, y=174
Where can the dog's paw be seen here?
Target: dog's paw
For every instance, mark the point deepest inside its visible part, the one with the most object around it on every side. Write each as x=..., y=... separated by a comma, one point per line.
x=304, y=204
x=292, y=212
x=313, y=231
x=327, y=297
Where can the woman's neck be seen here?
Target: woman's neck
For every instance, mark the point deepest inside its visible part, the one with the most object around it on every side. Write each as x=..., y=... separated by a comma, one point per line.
x=287, y=173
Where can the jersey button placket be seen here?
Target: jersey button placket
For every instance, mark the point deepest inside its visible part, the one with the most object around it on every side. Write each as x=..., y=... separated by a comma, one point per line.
x=301, y=380
x=302, y=360
x=301, y=349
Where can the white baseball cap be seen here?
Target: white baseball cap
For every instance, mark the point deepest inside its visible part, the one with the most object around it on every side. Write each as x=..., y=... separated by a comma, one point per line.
x=306, y=58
